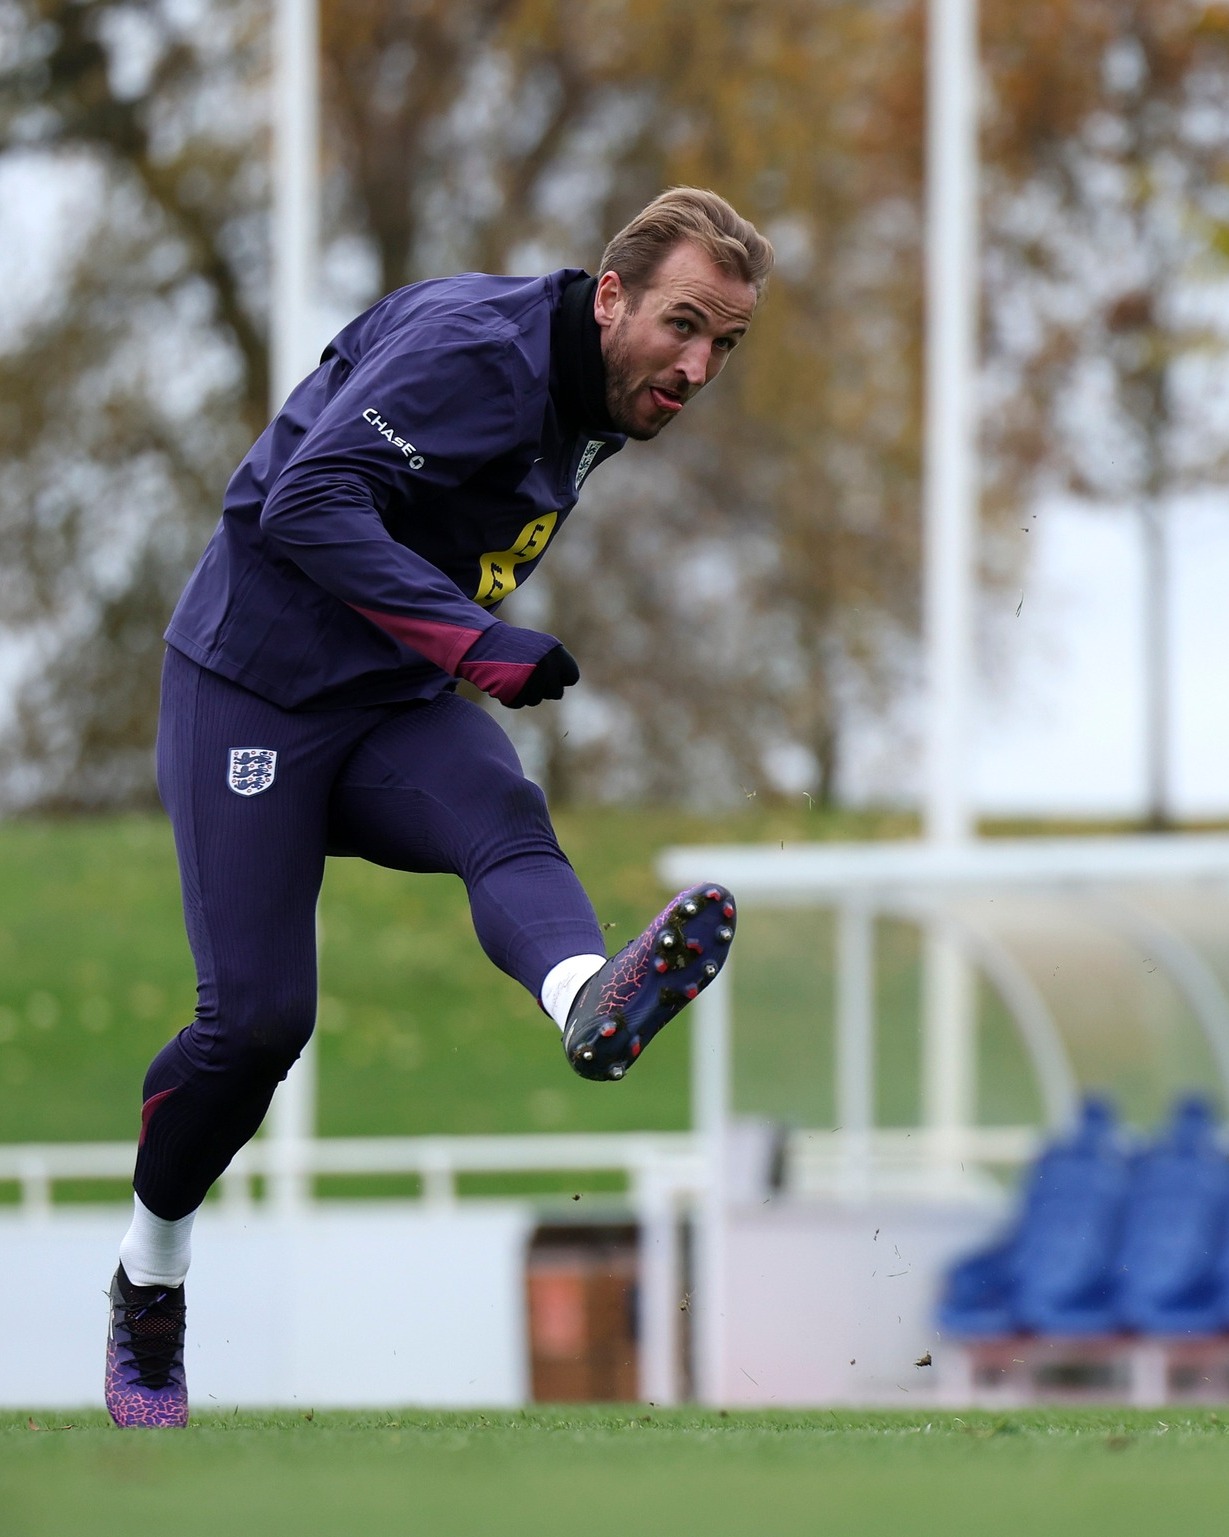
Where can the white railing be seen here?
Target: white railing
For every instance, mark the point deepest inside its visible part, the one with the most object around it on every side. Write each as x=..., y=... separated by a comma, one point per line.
x=674, y=1167
x=656, y=1164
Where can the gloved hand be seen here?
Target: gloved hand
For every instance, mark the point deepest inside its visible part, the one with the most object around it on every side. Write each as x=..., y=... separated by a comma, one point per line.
x=556, y=671
x=518, y=667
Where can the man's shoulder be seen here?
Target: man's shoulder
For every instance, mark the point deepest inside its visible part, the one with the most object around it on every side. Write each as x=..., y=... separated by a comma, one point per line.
x=492, y=331
x=471, y=305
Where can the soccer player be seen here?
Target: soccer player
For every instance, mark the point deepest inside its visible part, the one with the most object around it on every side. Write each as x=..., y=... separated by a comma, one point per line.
x=309, y=707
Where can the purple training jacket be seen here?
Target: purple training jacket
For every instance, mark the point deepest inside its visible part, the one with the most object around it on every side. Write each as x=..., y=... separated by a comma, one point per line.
x=405, y=488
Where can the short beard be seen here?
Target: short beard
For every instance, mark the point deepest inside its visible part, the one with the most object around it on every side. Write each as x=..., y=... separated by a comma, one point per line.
x=620, y=392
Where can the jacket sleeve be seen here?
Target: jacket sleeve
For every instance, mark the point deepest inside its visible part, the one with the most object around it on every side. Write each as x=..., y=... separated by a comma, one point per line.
x=409, y=422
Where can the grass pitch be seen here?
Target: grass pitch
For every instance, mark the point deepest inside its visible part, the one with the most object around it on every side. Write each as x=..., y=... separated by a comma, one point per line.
x=607, y=1471
x=418, y=1032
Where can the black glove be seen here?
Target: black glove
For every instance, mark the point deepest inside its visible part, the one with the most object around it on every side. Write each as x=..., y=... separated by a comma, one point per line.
x=556, y=671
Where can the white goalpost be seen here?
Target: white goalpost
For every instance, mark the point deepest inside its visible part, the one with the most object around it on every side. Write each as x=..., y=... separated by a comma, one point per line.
x=293, y=350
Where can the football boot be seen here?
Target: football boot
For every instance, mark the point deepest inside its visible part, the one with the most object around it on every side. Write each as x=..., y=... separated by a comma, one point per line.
x=621, y=1008
x=145, y=1371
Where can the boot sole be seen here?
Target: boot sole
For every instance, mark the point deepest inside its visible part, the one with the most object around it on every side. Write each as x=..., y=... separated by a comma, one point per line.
x=670, y=964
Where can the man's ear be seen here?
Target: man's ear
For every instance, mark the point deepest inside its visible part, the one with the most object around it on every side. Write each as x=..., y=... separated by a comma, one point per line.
x=609, y=298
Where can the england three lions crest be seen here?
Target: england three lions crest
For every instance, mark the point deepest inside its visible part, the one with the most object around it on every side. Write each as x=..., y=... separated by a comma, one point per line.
x=252, y=769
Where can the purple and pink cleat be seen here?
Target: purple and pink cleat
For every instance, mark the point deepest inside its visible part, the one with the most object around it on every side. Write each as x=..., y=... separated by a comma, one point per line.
x=145, y=1370
x=621, y=1008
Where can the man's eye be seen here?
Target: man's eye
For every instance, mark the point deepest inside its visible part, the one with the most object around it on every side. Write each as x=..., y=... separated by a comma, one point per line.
x=683, y=327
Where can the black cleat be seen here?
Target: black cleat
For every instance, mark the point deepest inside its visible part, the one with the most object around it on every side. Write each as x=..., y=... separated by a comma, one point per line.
x=623, y=1006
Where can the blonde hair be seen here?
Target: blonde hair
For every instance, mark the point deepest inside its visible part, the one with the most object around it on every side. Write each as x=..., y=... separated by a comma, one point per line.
x=688, y=213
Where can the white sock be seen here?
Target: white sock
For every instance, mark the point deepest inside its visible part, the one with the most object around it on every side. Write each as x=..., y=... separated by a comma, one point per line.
x=155, y=1251
x=564, y=981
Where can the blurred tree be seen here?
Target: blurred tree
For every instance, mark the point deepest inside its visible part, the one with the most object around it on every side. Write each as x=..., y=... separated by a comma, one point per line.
x=125, y=394
x=483, y=134
x=1107, y=148
x=734, y=589
x=774, y=551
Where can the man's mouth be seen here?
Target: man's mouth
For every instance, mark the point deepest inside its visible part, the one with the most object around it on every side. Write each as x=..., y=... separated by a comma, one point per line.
x=665, y=400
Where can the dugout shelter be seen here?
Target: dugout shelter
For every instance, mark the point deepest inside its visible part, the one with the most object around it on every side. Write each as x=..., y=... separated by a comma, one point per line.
x=856, y=1144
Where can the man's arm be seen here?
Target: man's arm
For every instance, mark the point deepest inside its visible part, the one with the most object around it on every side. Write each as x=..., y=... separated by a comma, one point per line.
x=455, y=406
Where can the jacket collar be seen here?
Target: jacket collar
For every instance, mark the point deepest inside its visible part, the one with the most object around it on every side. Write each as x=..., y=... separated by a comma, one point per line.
x=578, y=374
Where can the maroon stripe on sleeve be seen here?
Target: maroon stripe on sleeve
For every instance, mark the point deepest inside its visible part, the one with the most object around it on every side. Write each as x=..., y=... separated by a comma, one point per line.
x=443, y=644
x=502, y=680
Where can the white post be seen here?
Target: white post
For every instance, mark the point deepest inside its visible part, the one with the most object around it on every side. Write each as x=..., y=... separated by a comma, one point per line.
x=950, y=500
x=296, y=197
x=660, y=1295
x=949, y=488
x=34, y=1181
x=855, y=1042
x=292, y=355
x=949, y=1080
x=1157, y=670
x=710, y=1056
x=292, y=1125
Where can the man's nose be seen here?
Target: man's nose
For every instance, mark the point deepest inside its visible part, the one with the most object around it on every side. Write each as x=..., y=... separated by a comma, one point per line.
x=695, y=364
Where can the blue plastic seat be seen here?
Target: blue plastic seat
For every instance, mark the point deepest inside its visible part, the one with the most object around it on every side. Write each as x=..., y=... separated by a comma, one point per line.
x=1054, y=1273
x=978, y=1295
x=1171, y=1277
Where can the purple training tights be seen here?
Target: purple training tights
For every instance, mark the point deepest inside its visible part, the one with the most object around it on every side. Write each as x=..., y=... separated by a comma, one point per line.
x=257, y=797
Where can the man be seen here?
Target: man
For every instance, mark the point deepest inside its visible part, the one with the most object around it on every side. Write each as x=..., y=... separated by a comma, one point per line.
x=308, y=706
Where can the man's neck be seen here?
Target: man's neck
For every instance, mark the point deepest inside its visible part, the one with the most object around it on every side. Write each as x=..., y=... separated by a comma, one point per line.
x=580, y=373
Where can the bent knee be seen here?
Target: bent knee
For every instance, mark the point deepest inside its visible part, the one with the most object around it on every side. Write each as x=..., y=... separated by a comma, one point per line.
x=263, y=1042
x=278, y=1040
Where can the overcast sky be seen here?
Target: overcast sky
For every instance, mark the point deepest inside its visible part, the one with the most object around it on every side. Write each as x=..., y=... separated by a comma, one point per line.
x=1059, y=725
x=1070, y=734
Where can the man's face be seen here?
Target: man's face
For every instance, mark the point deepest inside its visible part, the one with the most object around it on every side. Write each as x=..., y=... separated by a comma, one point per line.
x=666, y=342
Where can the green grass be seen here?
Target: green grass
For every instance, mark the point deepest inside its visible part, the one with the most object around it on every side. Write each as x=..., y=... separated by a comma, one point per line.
x=418, y=1032
x=607, y=1471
